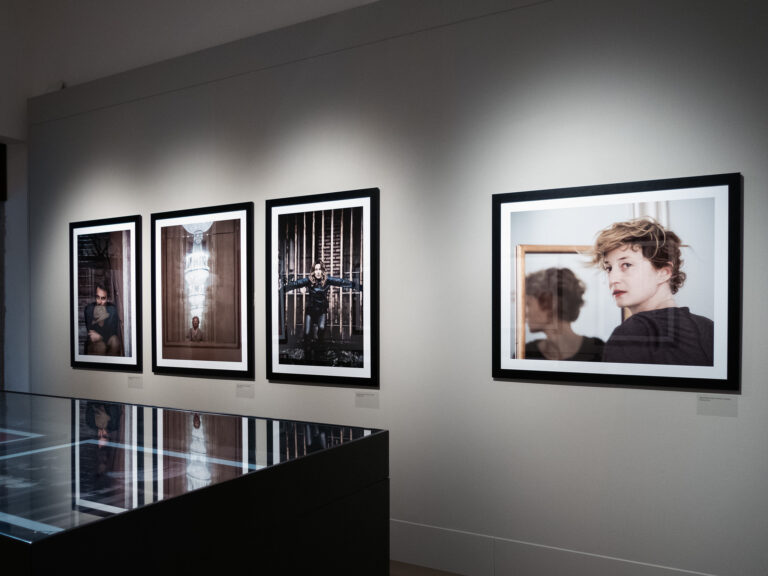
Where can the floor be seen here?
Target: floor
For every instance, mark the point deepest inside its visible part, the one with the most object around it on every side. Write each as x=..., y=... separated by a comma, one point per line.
x=401, y=569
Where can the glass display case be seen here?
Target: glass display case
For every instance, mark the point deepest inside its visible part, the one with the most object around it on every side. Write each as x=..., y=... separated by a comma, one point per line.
x=139, y=487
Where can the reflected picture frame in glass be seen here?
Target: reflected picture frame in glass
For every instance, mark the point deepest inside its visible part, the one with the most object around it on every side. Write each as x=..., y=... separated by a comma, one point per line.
x=322, y=288
x=107, y=457
x=557, y=317
x=202, y=292
x=105, y=294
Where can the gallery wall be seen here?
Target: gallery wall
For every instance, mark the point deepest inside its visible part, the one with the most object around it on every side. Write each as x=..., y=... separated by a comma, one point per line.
x=12, y=125
x=441, y=104
x=46, y=45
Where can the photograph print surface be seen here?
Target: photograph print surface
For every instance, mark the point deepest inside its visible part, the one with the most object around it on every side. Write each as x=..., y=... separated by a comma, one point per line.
x=627, y=284
x=106, y=294
x=322, y=286
x=202, y=291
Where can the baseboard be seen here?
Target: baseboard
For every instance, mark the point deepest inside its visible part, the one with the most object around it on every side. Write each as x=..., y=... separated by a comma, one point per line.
x=439, y=548
x=472, y=554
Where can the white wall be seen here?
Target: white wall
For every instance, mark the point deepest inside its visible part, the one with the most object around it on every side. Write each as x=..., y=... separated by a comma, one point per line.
x=74, y=43
x=17, y=328
x=488, y=477
x=47, y=44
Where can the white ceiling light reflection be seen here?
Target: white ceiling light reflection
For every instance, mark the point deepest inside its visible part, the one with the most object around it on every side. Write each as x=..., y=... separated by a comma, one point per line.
x=198, y=474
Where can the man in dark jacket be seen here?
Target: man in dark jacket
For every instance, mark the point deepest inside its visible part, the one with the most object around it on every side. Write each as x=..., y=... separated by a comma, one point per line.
x=103, y=325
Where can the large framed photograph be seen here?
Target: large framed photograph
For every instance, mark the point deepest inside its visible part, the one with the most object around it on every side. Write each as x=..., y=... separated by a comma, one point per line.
x=322, y=288
x=202, y=291
x=105, y=294
x=633, y=284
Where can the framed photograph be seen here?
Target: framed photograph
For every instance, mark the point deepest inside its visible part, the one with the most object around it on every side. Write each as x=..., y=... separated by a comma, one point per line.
x=322, y=265
x=633, y=284
x=105, y=294
x=202, y=291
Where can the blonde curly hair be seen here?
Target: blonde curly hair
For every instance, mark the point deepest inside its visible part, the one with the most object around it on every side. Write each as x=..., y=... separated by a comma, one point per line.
x=659, y=245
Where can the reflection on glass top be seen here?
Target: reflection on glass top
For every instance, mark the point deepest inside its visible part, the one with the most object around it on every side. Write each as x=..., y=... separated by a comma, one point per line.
x=65, y=462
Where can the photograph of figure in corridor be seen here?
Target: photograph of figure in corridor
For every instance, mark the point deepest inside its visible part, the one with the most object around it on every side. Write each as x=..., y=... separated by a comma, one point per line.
x=202, y=291
x=321, y=285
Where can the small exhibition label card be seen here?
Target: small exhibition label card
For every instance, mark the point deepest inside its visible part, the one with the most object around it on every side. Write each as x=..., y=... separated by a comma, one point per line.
x=717, y=405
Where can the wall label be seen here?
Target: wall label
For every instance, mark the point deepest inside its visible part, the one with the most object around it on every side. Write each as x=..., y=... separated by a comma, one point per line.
x=245, y=390
x=367, y=400
x=714, y=405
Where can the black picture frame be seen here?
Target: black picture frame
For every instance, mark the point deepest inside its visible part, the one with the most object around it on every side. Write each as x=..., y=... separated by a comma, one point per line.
x=554, y=229
x=105, y=260
x=202, y=268
x=342, y=230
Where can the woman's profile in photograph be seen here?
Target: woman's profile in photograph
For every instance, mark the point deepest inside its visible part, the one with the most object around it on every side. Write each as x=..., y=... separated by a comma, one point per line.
x=553, y=300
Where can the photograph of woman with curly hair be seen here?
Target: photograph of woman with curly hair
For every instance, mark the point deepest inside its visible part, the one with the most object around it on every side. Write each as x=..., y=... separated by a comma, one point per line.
x=660, y=264
x=643, y=264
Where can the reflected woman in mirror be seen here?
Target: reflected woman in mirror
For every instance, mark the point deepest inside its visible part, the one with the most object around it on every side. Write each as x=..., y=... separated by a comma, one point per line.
x=553, y=300
x=643, y=262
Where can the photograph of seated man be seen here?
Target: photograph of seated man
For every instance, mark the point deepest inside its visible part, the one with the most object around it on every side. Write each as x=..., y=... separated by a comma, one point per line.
x=195, y=334
x=553, y=300
x=642, y=261
x=102, y=323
